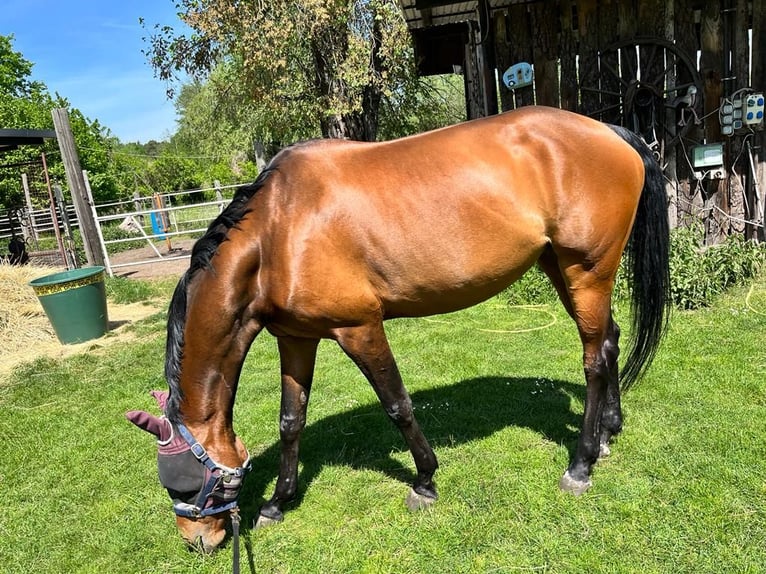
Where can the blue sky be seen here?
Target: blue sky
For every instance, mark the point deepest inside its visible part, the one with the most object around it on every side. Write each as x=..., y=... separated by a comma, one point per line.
x=89, y=51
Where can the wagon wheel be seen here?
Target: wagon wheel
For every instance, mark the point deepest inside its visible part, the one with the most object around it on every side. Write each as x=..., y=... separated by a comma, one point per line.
x=647, y=85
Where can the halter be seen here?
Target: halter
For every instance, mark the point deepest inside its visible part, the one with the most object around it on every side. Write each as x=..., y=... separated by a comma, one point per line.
x=196, y=491
x=220, y=485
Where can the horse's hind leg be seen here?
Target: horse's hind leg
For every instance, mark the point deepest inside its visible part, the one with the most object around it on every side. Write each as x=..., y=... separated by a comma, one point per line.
x=586, y=294
x=297, y=358
x=368, y=347
x=611, y=414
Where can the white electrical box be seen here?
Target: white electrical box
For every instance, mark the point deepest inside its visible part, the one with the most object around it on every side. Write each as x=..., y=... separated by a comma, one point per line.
x=753, y=113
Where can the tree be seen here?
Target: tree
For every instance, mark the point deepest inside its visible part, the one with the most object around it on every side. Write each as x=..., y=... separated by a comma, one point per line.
x=26, y=104
x=15, y=71
x=319, y=66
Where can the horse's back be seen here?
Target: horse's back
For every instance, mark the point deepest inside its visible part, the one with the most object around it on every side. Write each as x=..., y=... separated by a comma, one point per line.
x=442, y=220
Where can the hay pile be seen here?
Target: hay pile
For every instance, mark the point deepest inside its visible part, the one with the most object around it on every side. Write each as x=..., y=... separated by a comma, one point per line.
x=26, y=333
x=23, y=323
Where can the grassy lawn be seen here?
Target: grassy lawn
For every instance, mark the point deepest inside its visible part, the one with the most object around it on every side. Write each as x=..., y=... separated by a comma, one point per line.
x=684, y=490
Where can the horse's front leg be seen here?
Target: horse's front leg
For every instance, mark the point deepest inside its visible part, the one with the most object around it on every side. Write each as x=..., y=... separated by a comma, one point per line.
x=368, y=347
x=297, y=358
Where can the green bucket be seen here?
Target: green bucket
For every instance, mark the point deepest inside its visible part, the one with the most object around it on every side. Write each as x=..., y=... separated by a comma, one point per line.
x=75, y=303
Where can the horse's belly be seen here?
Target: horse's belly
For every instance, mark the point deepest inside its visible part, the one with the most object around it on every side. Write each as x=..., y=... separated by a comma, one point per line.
x=457, y=271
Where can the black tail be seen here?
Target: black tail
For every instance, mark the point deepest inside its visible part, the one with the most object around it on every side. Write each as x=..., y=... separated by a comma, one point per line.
x=647, y=259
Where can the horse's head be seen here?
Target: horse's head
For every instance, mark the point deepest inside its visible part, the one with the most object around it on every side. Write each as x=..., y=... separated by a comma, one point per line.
x=204, y=492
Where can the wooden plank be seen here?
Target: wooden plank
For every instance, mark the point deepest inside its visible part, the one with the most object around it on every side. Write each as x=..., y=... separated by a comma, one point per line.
x=627, y=19
x=520, y=49
x=651, y=23
x=608, y=34
x=717, y=202
x=503, y=57
x=690, y=203
x=568, y=58
x=587, y=17
x=758, y=73
x=545, y=53
x=486, y=59
x=740, y=70
x=671, y=129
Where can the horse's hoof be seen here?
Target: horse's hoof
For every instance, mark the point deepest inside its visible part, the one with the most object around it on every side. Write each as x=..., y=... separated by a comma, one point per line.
x=604, y=450
x=264, y=521
x=416, y=501
x=576, y=487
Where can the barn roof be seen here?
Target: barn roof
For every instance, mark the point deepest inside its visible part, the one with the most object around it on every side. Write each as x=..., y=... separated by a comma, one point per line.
x=427, y=13
x=12, y=139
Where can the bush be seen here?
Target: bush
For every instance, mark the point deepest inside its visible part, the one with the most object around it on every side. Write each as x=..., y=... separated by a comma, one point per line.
x=697, y=273
x=534, y=288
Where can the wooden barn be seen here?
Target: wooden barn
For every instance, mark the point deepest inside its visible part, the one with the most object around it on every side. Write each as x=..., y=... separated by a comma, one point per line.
x=689, y=76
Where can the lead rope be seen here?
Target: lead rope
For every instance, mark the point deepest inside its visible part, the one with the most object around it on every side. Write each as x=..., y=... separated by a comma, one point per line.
x=235, y=519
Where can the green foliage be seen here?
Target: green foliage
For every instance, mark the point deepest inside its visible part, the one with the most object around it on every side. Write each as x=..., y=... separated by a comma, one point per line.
x=27, y=105
x=280, y=72
x=15, y=71
x=429, y=103
x=171, y=173
x=698, y=273
x=534, y=288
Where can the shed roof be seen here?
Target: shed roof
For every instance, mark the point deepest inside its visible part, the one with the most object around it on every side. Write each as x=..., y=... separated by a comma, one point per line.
x=12, y=139
x=426, y=13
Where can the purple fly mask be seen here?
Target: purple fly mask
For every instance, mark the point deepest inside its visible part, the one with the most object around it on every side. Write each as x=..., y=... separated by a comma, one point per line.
x=198, y=485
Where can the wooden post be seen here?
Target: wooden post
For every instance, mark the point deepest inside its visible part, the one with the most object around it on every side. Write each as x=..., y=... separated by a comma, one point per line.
x=739, y=208
x=486, y=58
x=758, y=74
x=472, y=77
x=502, y=57
x=77, y=186
x=568, y=53
x=30, y=208
x=520, y=49
x=671, y=177
x=545, y=53
x=690, y=202
x=587, y=17
x=711, y=64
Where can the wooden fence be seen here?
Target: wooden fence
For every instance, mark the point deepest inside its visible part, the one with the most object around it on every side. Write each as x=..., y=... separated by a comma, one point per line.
x=667, y=69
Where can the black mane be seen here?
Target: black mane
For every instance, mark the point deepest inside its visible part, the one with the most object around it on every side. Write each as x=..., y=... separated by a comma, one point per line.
x=201, y=257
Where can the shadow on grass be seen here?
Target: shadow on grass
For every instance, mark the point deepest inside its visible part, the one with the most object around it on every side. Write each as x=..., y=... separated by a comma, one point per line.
x=364, y=438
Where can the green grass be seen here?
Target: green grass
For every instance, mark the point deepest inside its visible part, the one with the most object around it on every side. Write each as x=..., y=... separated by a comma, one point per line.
x=684, y=491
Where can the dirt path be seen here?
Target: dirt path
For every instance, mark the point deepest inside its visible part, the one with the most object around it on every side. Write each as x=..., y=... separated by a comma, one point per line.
x=181, y=249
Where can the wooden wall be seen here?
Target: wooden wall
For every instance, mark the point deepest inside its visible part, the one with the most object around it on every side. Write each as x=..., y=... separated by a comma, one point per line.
x=563, y=41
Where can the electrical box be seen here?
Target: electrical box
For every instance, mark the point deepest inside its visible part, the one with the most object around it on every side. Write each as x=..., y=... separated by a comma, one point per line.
x=707, y=161
x=518, y=76
x=753, y=112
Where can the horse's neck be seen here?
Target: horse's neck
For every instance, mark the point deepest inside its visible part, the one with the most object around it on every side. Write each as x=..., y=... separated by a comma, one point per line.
x=214, y=348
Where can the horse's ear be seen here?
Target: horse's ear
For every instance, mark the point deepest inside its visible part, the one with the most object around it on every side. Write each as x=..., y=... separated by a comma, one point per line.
x=161, y=397
x=159, y=427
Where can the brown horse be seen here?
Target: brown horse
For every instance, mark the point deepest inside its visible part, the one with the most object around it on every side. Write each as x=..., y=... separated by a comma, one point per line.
x=335, y=237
